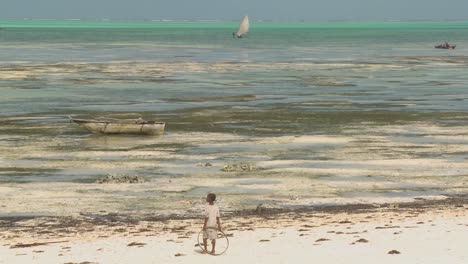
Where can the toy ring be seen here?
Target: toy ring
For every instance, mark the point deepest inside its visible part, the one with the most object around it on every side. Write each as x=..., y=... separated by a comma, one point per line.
x=222, y=242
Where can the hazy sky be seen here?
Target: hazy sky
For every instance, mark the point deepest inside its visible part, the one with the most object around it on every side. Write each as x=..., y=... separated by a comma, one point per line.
x=293, y=10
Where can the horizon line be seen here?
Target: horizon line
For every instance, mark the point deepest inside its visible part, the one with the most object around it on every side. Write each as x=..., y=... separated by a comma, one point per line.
x=232, y=20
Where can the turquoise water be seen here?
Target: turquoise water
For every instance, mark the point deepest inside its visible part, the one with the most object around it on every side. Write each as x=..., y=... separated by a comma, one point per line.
x=333, y=103
x=107, y=41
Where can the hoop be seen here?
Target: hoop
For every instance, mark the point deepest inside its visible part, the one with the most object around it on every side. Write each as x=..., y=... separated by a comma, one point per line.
x=221, y=235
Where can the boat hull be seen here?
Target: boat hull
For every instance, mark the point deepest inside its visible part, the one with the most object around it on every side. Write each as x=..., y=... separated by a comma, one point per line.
x=107, y=127
x=445, y=46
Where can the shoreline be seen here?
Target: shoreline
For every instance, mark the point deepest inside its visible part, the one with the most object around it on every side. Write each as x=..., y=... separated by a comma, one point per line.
x=104, y=218
x=263, y=209
x=278, y=235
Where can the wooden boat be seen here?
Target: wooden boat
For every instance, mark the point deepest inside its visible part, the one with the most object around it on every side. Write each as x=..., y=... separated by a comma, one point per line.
x=445, y=46
x=121, y=126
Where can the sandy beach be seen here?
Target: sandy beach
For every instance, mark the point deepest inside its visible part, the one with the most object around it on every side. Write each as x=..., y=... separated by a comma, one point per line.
x=418, y=232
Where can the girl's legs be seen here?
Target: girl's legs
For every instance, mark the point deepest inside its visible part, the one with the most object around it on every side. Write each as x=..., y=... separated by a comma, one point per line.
x=205, y=241
x=213, y=244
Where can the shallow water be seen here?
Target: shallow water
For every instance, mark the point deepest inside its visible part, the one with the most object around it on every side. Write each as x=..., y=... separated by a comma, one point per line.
x=328, y=113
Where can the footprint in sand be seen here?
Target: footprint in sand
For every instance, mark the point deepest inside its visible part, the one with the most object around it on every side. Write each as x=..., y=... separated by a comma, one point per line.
x=137, y=244
x=362, y=240
x=322, y=239
x=84, y=262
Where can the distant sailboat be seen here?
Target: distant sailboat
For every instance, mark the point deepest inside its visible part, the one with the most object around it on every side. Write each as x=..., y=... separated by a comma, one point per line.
x=243, y=28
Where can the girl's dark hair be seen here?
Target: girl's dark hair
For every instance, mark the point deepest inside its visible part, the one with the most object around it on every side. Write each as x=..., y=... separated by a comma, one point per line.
x=212, y=196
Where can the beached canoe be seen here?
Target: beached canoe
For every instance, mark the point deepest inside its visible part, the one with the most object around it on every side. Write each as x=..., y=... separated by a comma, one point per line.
x=121, y=126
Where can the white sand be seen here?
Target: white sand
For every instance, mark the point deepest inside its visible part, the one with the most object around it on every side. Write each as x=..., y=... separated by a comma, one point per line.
x=437, y=236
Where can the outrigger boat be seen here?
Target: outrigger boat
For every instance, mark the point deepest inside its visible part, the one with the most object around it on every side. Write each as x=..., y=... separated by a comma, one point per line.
x=120, y=126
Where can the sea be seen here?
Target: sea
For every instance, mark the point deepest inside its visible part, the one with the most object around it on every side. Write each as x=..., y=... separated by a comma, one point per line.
x=294, y=115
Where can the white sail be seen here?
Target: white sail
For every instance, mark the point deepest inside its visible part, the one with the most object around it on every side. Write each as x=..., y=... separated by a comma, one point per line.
x=244, y=27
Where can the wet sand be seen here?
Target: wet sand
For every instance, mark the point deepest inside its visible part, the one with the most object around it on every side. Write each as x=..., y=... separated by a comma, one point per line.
x=417, y=232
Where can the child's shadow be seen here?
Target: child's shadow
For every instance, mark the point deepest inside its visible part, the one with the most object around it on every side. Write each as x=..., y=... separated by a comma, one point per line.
x=199, y=251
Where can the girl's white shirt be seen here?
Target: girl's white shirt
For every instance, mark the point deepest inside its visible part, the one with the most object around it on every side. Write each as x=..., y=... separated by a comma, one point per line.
x=211, y=212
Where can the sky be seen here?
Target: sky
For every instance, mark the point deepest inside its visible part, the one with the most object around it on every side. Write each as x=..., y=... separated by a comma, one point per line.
x=277, y=10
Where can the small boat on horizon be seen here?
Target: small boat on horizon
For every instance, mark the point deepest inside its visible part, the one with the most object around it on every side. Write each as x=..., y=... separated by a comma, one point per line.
x=120, y=126
x=243, y=28
x=445, y=45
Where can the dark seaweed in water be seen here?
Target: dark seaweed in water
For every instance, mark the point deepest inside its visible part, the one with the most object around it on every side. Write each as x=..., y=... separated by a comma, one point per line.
x=120, y=179
x=240, y=167
x=278, y=120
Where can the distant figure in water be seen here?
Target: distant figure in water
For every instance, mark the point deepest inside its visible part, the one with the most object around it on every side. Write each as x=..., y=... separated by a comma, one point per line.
x=212, y=222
